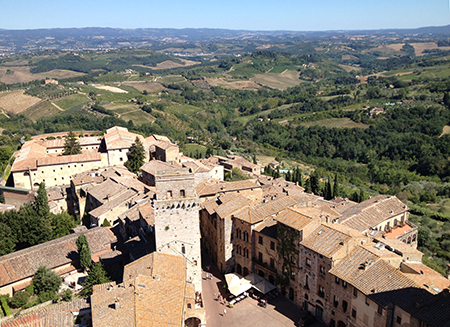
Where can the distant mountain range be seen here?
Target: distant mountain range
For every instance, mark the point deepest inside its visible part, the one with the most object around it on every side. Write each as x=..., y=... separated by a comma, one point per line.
x=97, y=37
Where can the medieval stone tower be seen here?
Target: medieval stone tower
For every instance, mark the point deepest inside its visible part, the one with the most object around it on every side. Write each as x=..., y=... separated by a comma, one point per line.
x=177, y=229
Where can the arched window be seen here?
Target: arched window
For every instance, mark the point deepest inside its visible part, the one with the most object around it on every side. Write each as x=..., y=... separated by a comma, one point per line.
x=245, y=237
x=239, y=269
x=238, y=233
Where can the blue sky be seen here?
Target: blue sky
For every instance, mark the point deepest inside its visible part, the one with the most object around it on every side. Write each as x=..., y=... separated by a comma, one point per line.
x=296, y=15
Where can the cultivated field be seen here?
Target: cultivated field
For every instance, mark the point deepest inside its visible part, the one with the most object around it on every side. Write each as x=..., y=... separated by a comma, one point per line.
x=168, y=64
x=127, y=111
x=419, y=48
x=16, y=102
x=71, y=101
x=150, y=87
x=41, y=109
x=335, y=123
x=109, y=88
x=22, y=74
x=350, y=68
x=239, y=85
x=281, y=81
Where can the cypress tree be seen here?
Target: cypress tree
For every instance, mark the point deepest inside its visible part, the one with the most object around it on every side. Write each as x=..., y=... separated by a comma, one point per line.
x=41, y=203
x=336, y=188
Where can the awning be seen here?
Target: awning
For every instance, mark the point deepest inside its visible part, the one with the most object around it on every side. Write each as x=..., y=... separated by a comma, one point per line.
x=236, y=284
x=264, y=286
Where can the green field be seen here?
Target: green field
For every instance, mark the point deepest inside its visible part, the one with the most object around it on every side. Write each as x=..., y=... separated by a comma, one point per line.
x=71, y=100
x=280, y=69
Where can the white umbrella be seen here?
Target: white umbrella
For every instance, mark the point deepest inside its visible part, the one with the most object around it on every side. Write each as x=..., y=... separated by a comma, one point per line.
x=236, y=284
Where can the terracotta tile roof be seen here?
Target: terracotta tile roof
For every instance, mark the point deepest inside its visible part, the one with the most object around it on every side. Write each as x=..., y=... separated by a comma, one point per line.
x=147, y=213
x=164, y=145
x=426, y=277
x=60, y=315
x=82, y=157
x=317, y=212
x=154, y=294
x=372, y=212
x=117, y=171
x=59, y=143
x=327, y=239
x=28, y=155
x=24, y=263
x=88, y=177
x=208, y=189
x=399, y=245
x=131, y=182
x=249, y=215
x=432, y=311
x=381, y=277
x=106, y=190
x=274, y=207
x=228, y=208
x=337, y=204
x=293, y=218
x=125, y=196
x=268, y=228
x=120, y=138
x=196, y=166
x=154, y=165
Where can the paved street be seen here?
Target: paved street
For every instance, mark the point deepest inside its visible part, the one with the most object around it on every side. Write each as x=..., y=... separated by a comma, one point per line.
x=279, y=312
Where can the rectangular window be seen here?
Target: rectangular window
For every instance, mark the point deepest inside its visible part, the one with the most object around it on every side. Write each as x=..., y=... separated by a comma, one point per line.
x=322, y=270
x=272, y=245
x=344, y=284
x=355, y=292
x=335, y=301
x=260, y=240
x=380, y=310
x=182, y=193
x=399, y=320
x=344, y=306
x=337, y=280
x=308, y=262
x=272, y=263
x=353, y=313
x=321, y=292
x=260, y=257
x=367, y=300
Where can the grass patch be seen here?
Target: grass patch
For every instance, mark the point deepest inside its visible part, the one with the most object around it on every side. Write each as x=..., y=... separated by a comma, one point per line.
x=138, y=117
x=192, y=148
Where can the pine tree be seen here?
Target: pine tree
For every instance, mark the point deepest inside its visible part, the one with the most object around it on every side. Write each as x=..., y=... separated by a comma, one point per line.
x=135, y=156
x=71, y=145
x=41, y=203
x=308, y=186
x=84, y=252
x=336, y=188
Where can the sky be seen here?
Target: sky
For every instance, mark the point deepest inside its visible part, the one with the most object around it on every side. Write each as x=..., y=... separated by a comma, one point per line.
x=293, y=15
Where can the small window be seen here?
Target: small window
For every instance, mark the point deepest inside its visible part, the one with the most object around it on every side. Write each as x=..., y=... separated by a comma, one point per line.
x=399, y=320
x=260, y=257
x=182, y=193
x=337, y=280
x=260, y=240
x=355, y=292
x=169, y=194
x=293, y=276
x=272, y=263
x=183, y=249
x=380, y=310
x=367, y=300
x=121, y=159
x=308, y=262
x=344, y=284
x=322, y=270
x=272, y=245
x=344, y=306
x=321, y=292
x=353, y=313
x=335, y=301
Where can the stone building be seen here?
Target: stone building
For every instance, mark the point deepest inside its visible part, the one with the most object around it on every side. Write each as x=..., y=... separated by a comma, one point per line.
x=176, y=215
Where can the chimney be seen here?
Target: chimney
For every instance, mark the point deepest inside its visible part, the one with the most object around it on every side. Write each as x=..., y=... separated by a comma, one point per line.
x=117, y=303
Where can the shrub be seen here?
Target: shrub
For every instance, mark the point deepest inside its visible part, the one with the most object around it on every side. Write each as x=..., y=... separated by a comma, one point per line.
x=5, y=307
x=67, y=295
x=30, y=289
x=106, y=223
x=47, y=296
x=46, y=280
x=20, y=299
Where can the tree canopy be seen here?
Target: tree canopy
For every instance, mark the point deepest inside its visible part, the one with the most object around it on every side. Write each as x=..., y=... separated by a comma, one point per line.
x=41, y=203
x=46, y=280
x=96, y=275
x=136, y=156
x=71, y=144
x=84, y=251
